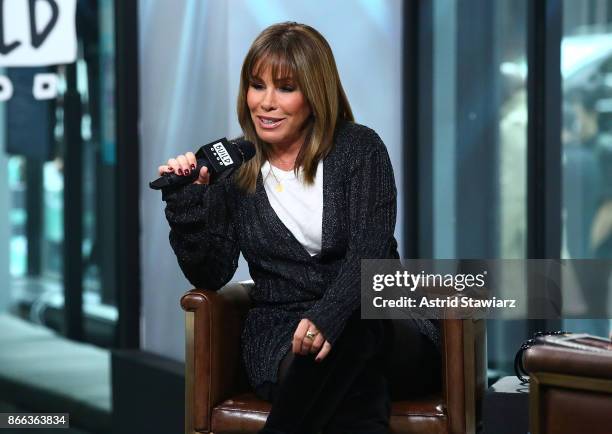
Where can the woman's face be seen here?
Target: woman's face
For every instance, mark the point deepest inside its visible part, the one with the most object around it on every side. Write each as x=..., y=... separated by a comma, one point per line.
x=279, y=110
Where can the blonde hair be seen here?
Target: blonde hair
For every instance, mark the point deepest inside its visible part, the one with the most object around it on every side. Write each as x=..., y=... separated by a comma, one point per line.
x=299, y=52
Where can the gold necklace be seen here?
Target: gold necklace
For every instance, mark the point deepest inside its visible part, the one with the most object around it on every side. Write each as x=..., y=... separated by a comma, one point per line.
x=279, y=186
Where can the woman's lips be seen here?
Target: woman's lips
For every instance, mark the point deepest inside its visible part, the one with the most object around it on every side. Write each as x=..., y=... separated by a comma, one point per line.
x=269, y=123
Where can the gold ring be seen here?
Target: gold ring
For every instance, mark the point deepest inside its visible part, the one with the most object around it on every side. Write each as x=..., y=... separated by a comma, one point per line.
x=311, y=334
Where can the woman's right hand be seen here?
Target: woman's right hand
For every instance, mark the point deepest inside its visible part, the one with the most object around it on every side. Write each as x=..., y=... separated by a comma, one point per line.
x=182, y=165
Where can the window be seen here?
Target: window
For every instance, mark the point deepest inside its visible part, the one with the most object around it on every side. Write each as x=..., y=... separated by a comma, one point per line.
x=60, y=177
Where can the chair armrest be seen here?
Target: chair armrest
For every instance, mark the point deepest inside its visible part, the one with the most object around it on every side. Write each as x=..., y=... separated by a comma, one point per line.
x=569, y=390
x=546, y=358
x=213, y=325
x=464, y=366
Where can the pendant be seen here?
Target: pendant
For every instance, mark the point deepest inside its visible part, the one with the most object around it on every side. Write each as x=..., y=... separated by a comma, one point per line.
x=279, y=188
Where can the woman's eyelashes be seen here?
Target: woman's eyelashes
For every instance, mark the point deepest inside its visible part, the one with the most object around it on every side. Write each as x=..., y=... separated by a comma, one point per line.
x=285, y=85
x=256, y=85
x=287, y=88
x=282, y=87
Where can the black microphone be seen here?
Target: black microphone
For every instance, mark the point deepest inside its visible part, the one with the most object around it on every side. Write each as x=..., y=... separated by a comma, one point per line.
x=221, y=157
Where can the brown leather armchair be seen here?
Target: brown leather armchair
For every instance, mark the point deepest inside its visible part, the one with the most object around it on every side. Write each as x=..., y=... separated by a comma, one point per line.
x=219, y=399
x=570, y=391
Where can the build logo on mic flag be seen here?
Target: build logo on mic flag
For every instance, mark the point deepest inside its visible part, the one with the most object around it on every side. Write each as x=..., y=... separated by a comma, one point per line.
x=222, y=155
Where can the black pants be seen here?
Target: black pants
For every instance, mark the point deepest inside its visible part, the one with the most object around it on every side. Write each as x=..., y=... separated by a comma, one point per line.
x=348, y=391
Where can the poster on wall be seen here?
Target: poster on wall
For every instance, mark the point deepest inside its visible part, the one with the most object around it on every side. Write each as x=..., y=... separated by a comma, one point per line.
x=37, y=32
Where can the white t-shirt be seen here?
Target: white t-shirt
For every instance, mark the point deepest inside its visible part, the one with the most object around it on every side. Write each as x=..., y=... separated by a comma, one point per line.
x=299, y=206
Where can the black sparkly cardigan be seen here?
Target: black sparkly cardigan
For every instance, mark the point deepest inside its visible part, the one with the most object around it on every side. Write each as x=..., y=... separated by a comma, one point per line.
x=211, y=225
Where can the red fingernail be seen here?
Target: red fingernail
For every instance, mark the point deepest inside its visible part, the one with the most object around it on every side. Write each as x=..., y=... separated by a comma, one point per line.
x=193, y=166
x=186, y=171
x=170, y=169
x=180, y=171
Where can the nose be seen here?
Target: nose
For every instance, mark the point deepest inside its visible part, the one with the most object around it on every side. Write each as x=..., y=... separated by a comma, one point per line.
x=268, y=101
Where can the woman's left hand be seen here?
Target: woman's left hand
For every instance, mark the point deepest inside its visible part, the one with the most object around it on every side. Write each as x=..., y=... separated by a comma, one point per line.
x=304, y=345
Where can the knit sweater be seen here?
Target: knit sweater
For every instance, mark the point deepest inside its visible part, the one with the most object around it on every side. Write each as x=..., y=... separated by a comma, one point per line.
x=211, y=224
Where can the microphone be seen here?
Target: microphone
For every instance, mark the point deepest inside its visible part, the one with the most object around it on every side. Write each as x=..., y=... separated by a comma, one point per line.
x=221, y=157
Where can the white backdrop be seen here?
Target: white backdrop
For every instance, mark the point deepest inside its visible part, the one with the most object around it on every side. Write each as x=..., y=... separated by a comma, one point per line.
x=191, y=52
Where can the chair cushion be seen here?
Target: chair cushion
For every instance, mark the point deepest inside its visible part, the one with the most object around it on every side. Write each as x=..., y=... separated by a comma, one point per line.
x=422, y=415
x=244, y=413
x=247, y=413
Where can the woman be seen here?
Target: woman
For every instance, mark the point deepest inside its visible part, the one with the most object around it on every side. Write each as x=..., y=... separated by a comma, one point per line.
x=318, y=196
